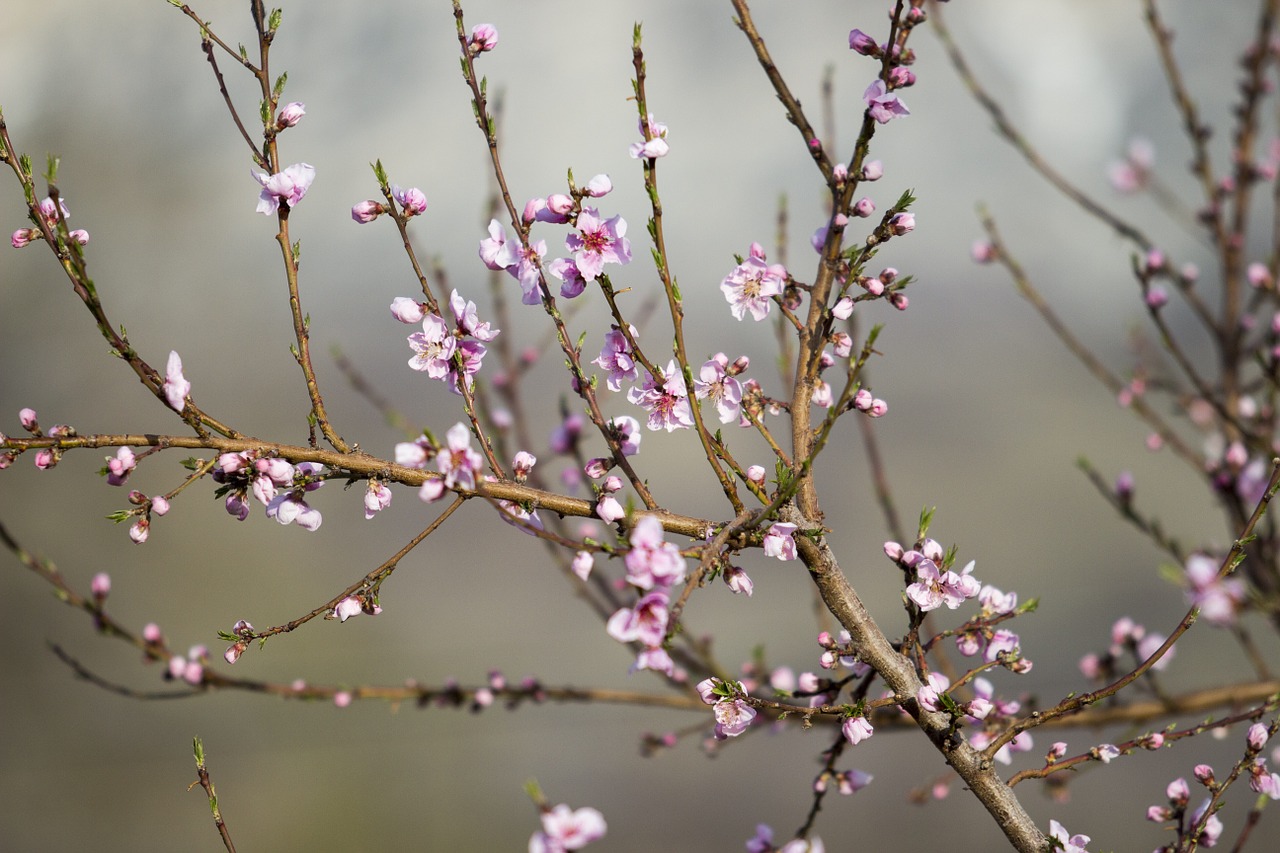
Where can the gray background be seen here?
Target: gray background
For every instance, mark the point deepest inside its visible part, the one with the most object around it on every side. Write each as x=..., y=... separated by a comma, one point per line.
x=987, y=412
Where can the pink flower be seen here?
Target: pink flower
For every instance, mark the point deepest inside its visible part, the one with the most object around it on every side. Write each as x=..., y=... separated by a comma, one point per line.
x=572, y=282
x=434, y=347
x=902, y=223
x=778, y=542
x=1072, y=844
x=288, y=507
x=496, y=252
x=120, y=466
x=288, y=186
x=464, y=314
x=290, y=114
x=857, y=729
x=654, y=147
x=733, y=716
x=750, y=286
x=567, y=829
x=413, y=201
x=1219, y=599
x=599, y=186
x=347, y=607
x=457, y=462
x=738, y=580
x=23, y=237
x=79, y=236
x=883, y=106
x=715, y=384
x=627, y=430
x=408, y=311
x=645, y=623
x=598, y=243
x=176, y=386
x=484, y=38
x=652, y=561
x=376, y=498
x=582, y=564
x=616, y=357
x=665, y=398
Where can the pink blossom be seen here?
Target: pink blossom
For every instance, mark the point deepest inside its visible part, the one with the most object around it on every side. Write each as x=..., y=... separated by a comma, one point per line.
x=721, y=388
x=598, y=243
x=496, y=252
x=902, y=223
x=652, y=561
x=654, y=147
x=645, y=623
x=583, y=562
x=1072, y=844
x=608, y=509
x=599, y=186
x=290, y=114
x=120, y=466
x=665, y=398
x=738, y=580
x=140, y=530
x=627, y=430
x=377, y=497
x=1219, y=599
x=347, y=607
x=457, y=462
x=856, y=729
x=413, y=201
x=1257, y=737
x=366, y=211
x=289, y=507
x=464, y=314
x=528, y=271
x=616, y=357
x=434, y=347
x=733, y=717
x=79, y=236
x=778, y=541
x=176, y=386
x=860, y=42
x=484, y=38
x=751, y=285
x=408, y=311
x=883, y=106
x=288, y=187
x=343, y=698
x=23, y=237
x=567, y=829
x=572, y=283
x=935, y=684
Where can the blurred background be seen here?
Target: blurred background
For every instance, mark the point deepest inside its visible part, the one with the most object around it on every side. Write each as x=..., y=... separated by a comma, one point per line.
x=987, y=412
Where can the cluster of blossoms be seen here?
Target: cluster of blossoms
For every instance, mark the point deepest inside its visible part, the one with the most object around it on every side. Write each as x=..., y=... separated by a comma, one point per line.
x=438, y=351
x=276, y=483
x=147, y=506
x=882, y=104
x=728, y=703
x=596, y=242
x=458, y=464
x=46, y=457
x=1128, y=637
x=655, y=145
x=565, y=829
x=412, y=201
x=49, y=213
x=1218, y=598
x=654, y=566
x=934, y=586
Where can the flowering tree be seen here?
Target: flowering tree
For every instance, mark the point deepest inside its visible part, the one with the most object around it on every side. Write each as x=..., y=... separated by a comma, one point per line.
x=646, y=546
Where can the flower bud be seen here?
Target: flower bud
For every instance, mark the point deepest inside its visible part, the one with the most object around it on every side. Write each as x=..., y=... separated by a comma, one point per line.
x=864, y=207
x=860, y=42
x=101, y=586
x=290, y=114
x=902, y=223
x=367, y=211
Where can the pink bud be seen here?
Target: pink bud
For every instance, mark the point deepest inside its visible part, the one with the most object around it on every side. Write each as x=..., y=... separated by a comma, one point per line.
x=367, y=211
x=1258, y=275
x=1156, y=297
x=878, y=408
x=79, y=236
x=342, y=698
x=902, y=223
x=862, y=401
x=583, y=562
x=159, y=505
x=597, y=467
x=1257, y=737
x=1203, y=774
x=872, y=171
x=864, y=207
x=523, y=464
x=407, y=310
x=599, y=186
x=233, y=652
x=893, y=551
x=983, y=252
x=140, y=530
x=899, y=300
x=23, y=237
x=45, y=459
x=860, y=42
x=756, y=474
x=413, y=201
x=290, y=114
x=101, y=586
x=29, y=420
x=484, y=37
